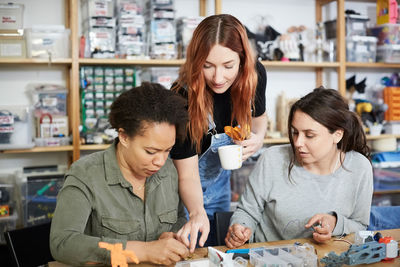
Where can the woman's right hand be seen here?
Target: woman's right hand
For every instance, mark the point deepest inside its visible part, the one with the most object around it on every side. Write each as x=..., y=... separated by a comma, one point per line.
x=237, y=235
x=198, y=222
x=165, y=251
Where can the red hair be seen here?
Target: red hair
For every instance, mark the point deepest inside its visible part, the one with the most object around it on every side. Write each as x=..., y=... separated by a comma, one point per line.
x=229, y=32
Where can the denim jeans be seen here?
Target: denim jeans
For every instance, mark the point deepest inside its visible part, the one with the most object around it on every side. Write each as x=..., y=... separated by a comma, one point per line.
x=215, y=182
x=385, y=217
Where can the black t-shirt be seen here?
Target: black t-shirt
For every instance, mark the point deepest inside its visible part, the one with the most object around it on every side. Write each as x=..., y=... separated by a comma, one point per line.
x=222, y=115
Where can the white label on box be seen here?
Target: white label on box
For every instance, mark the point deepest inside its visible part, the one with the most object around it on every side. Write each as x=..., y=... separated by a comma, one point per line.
x=49, y=101
x=100, y=8
x=11, y=50
x=8, y=19
x=6, y=119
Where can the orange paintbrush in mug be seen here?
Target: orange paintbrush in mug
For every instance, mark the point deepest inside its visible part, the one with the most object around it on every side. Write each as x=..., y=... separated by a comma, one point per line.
x=237, y=133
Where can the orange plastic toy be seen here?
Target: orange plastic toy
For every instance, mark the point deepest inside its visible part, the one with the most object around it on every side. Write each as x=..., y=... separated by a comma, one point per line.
x=118, y=255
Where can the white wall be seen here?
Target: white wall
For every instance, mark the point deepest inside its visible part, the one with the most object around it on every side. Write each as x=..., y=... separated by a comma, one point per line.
x=279, y=14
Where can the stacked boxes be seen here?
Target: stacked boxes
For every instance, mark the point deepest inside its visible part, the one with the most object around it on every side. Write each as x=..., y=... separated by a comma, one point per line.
x=131, y=33
x=160, y=16
x=99, y=28
x=99, y=87
x=184, y=31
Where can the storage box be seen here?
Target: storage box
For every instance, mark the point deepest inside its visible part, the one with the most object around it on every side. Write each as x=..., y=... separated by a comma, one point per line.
x=45, y=41
x=355, y=25
x=40, y=191
x=388, y=53
x=391, y=97
x=7, y=224
x=97, y=8
x=386, y=33
x=15, y=127
x=12, y=47
x=49, y=98
x=11, y=16
x=361, y=48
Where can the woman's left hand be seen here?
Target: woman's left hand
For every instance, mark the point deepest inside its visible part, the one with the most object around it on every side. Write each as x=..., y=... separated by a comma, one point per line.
x=326, y=224
x=251, y=145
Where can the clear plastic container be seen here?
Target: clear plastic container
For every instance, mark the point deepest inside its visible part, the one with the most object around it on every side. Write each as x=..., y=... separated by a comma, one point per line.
x=355, y=25
x=361, y=48
x=39, y=192
x=16, y=127
x=389, y=53
x=48, y=41
x=12, y=47
x=11, y=16
x=7, y=224
x=386, y=33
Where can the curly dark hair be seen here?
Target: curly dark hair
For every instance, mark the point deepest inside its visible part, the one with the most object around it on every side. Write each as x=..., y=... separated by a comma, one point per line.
x=150, y=103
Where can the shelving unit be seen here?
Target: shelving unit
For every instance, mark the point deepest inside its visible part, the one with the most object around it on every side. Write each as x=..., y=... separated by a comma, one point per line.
x=73, y=64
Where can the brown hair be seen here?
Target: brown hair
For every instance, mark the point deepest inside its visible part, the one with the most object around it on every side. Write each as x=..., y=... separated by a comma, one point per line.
x=226, y=31
x=329, y=108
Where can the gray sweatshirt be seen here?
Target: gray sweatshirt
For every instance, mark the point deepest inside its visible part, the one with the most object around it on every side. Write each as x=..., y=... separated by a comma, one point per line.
x=276, y=208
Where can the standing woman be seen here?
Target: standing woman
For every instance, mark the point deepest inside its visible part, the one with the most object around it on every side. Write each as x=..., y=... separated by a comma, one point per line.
x=225, y=86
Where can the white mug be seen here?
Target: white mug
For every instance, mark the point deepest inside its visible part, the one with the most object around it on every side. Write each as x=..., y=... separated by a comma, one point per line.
x=230, y=156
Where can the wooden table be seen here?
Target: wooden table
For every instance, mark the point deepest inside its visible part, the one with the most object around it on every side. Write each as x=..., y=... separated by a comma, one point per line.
x=321, y=249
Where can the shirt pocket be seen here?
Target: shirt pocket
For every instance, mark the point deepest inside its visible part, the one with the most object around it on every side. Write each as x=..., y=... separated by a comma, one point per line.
x=120, y=228
x=167, y=219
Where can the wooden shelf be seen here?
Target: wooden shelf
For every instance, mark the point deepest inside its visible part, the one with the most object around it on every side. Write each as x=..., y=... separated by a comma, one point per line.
x=372, y=65
x=384, y=192
x=39, y=149
x=94, y=147
x=299, y=64
x=140, y=62
x=33, y=61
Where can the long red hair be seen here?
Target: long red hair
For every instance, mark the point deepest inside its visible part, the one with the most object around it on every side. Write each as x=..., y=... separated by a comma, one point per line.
x=227, y=31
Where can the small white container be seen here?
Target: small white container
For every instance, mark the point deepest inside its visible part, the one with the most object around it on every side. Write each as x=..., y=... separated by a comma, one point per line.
x=230, y=156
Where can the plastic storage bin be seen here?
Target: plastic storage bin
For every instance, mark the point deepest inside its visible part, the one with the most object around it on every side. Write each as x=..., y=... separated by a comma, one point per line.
x=386, y=33
x=7, y=224
x=11, y=16
x=48, y=42
x=361, y=48
x=355, y=25
x=12, y=47
x=388, y=53
x=15, y=127
x=40, y=191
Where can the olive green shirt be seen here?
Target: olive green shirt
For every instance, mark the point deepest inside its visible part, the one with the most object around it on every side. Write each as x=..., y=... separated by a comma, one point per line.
x=97, y=204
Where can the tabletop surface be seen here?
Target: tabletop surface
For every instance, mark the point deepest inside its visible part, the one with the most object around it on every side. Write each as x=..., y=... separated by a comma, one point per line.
x=321, y=249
